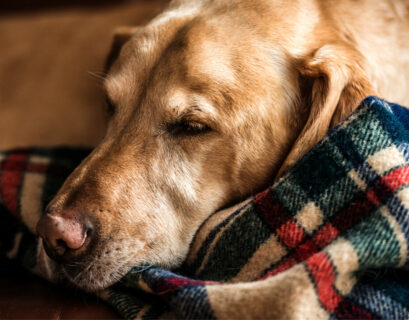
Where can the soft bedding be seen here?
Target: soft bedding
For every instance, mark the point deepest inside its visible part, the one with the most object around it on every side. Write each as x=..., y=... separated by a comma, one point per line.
x=329, y=240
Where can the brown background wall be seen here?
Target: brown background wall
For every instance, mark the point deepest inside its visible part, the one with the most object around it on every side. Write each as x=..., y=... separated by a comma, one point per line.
x=48, y=95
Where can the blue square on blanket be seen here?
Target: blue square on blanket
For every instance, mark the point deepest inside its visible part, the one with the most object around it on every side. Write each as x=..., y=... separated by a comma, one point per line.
x=336, y=196
x=367, y=133
x=319, y=170
x=291, y=195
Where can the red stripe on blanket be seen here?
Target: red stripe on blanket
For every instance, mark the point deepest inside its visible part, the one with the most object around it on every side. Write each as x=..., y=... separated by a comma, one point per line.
x=11, y=178
x=373, y=197
x=290, y=234
x=323, y=274
x=272, y=212
x=325, y=235
x=397, y=178
x=170, y=284
x=301, y=253
x=304, y=250
x=348, y=310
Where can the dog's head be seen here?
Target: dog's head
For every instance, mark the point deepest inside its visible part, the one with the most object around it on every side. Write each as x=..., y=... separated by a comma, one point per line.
x=207, y=107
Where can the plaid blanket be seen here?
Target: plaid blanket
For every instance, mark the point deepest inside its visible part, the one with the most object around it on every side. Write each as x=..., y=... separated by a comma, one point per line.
x=327, y=241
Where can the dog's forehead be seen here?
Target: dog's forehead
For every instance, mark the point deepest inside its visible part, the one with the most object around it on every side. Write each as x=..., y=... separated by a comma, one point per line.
x=200, y=55
x=197, y=58
x=208, y=55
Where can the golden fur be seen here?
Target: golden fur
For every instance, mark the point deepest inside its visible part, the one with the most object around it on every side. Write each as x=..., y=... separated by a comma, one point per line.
x=213, y=101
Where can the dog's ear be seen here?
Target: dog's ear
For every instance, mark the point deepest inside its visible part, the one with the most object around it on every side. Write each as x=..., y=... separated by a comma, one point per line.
x=121, y=35
x=334, y=82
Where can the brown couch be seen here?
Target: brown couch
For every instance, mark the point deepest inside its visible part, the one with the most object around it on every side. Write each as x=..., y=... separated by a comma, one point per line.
x=50, y=94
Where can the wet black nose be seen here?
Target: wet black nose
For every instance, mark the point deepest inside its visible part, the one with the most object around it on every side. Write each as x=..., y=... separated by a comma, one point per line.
x=66, y=233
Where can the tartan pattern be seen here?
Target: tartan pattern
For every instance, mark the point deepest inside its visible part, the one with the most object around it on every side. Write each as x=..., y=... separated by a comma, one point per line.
x=328, y=241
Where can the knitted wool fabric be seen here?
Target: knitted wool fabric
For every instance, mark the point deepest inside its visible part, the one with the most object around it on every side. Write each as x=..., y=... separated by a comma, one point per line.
x=329, y=240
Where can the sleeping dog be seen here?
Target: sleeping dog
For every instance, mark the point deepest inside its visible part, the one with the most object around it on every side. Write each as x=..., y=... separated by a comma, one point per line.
x=209, y=103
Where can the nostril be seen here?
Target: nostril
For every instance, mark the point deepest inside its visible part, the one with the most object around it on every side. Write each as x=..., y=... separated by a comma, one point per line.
x=89, y=232
x=61, y=243
x=61, y=247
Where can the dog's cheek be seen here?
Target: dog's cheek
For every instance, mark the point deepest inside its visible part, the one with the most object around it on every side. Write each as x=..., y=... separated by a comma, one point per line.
x=149, y=231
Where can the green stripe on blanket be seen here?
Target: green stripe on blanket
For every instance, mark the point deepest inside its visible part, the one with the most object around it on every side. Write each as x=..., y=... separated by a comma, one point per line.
x=328, y=241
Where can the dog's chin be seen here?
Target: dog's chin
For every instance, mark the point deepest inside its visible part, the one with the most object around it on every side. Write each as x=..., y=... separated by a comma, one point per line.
x=104, y=265
x=94, y=276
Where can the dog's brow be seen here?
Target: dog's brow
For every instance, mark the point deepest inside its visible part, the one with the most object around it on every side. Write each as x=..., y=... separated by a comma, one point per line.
x=202, y=110
x=182, y=102
x=191, y=110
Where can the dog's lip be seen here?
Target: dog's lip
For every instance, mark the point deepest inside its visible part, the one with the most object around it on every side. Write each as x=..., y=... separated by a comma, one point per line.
x=73, y=270
x=91, y=256
x=77, y=275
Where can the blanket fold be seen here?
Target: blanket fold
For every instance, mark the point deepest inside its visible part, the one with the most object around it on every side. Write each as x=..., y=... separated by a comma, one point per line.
x=329, y=240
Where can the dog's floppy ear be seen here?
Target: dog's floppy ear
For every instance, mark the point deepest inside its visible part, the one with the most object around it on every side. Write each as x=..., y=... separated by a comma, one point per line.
x=334, y=83
x=121, y=35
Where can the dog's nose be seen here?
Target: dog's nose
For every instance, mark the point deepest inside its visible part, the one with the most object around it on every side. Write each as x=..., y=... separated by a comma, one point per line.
x=66, y=234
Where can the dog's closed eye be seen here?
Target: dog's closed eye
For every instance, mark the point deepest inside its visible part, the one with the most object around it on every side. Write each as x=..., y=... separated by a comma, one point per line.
x=188, y=127
x=109, y=106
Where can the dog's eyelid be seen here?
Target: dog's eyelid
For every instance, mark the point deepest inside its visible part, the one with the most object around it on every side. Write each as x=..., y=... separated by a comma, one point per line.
x=197, y=115
x=188, y=125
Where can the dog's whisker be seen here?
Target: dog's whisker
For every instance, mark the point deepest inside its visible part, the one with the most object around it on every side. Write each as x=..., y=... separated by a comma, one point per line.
x=98, y=75
x=85, y=271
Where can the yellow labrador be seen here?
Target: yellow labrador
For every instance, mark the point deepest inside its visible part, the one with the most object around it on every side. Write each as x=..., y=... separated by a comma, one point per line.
x=210, y=102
